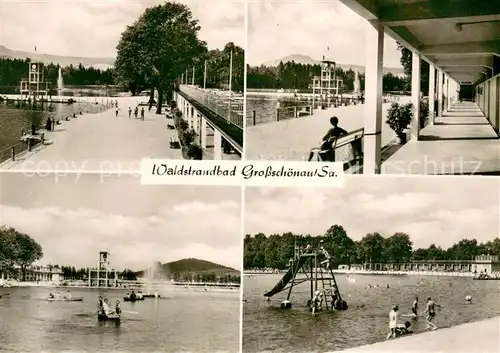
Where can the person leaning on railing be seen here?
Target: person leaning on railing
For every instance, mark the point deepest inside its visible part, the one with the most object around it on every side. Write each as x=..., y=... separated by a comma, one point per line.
x=327, y=148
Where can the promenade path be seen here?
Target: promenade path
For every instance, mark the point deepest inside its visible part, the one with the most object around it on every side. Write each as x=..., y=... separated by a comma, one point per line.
x=292, y=139
x=461, y=142
x=477, y=337
x=101, y=142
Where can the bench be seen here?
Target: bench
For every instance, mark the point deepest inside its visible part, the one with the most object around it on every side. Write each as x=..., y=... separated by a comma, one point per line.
x=354, y=138
x=174, y=142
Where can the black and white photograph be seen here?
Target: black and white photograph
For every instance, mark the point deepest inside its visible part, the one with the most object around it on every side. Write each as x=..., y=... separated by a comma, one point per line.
x=99, y=85
x=393, y=264
x=97, y=264
x=382, y=86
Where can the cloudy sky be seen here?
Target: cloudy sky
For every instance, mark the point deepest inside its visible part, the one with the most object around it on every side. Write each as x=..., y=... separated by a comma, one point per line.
x=438, y=210
x=75, y=219
x=278, y=28
x=90, y=28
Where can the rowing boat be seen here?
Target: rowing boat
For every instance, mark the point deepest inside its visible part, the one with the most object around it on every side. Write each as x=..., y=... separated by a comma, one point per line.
x=75, y=299
x=111, y=317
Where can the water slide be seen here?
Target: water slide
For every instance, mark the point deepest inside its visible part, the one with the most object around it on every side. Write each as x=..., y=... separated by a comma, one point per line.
x=287, y=277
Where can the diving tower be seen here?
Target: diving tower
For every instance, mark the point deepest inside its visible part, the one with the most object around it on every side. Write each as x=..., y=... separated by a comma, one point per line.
x=313, y=266
x=34, y=87
x=103, y=276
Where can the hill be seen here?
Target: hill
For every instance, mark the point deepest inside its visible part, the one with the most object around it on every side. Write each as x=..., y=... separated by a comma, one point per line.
x=306, y=60
x=186, y=266
x=98, y=63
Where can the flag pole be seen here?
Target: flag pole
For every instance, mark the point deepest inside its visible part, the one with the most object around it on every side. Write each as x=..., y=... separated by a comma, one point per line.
x=230, y=72
x=193, y=77
x=205, y=76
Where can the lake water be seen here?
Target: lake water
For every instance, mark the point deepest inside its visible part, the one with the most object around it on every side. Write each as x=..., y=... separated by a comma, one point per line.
x=180, y=321
x=266, y=327
x=13, y=120
x=265, y=107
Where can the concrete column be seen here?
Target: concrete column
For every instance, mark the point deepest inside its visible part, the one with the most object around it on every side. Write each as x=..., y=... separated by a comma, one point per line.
x=217, y=145
x=373, y=98
x=493, y=104
x=450, y=92
x=440, y=93
x=487, y=97
x=415, y=96
x=432, y=92
x=203, y=133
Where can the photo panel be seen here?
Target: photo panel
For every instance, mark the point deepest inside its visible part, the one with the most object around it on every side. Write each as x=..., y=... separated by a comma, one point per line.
x=328, y=270
x=105, y=84
x=92, y=263
x=370, y=84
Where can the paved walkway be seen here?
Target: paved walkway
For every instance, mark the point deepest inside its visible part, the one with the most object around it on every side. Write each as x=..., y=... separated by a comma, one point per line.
x=461, y=142
x=477, y=337
x=292, y=139
x=102, y=142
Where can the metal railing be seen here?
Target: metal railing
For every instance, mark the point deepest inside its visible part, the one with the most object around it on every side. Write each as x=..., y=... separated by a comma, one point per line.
x=230, y=107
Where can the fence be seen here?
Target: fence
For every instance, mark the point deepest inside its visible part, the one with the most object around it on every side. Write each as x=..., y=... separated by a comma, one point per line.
x=220, y=102
x=18, y=148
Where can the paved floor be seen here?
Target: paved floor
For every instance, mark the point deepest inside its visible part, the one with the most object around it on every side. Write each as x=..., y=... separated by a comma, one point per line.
x=461, y=142
x=102, y=142
x=478, y=337
x=292, y=139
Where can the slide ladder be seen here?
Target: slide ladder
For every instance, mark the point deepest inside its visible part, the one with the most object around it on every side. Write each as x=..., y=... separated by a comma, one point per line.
x=329, y=285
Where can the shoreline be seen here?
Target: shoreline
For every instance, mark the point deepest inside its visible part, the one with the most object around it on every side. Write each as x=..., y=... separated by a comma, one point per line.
x=480, y=336
x=378, y=273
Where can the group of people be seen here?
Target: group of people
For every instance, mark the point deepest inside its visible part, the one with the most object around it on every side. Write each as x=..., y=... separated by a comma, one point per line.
x=402, y=329
x=60, y=296
x=104, y=308
x=136, y=112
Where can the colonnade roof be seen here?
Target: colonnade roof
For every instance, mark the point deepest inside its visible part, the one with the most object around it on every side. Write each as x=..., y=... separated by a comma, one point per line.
x=461, y=37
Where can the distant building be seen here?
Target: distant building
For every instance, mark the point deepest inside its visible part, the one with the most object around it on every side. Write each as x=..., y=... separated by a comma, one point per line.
x=481, y=264
x=36, y=273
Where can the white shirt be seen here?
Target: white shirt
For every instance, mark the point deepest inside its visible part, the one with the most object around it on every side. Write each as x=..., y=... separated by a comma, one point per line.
x=393, y=319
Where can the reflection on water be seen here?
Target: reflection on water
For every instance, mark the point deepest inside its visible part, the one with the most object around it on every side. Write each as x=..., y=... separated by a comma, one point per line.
x=13, y=119
x=266, y=327
x=181, y=321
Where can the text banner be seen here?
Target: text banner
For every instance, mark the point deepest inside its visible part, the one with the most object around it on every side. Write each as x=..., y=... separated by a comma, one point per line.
x=241, y=173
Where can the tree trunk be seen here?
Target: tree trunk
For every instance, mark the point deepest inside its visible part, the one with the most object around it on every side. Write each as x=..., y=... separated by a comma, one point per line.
x=151, y=97
x=23, y=272
x=160, y=101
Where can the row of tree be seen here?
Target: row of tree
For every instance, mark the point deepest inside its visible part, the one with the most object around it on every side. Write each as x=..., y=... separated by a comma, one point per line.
x=292, y=75
x=13, y=70
x=276, y=250
x=210, y=277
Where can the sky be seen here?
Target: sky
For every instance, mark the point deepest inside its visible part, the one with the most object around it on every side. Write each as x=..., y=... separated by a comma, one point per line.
x=440, y=210
x=73, y=219
x=279, y=28
x=90, y=28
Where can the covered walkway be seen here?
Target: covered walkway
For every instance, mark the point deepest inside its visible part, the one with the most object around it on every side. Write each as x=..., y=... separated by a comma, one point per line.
x=460, y=40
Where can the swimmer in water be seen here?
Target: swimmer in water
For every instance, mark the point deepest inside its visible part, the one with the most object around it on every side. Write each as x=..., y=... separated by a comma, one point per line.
x=431, y=313
x=414, y=308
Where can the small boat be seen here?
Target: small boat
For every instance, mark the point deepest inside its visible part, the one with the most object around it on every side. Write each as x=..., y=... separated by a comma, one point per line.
x=129, y=299
x=110, y=317
x=73, y=299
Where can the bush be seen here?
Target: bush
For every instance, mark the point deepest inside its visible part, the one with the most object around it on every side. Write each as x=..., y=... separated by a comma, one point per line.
x=424, y=112
x=178, y=114
x=399, y=117
x=194, y=151
x=188, y=137
x=182, y=124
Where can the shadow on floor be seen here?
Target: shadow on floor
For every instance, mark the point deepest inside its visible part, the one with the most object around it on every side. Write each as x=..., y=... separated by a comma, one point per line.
x=439, y=138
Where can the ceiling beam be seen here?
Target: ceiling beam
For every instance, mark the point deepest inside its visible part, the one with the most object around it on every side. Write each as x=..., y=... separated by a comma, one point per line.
x=476, y=61
x=478, y=48
x=436, y=9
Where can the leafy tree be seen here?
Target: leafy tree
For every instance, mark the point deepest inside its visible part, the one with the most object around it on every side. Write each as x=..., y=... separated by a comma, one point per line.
x=406, y=61
x=372, y=248
x=18, y=249
x=160, y=46
x=398, y=248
